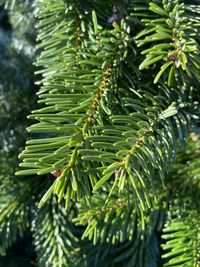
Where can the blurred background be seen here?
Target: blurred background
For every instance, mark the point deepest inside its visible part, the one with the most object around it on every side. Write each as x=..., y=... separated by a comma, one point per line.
x=17, y=99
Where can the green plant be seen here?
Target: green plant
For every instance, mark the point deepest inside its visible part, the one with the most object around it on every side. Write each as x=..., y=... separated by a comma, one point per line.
x=118, y=101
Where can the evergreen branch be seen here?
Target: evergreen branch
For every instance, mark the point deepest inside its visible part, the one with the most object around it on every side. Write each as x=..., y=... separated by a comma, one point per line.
x=181, y=231
x=96, y=217
x=53, y=237
x=113, y=214
x=182, y=241
x=136, y=146
x=115, y=222
x=175, y=40
x=78, y=109
x=107, y=132
x=185, y=174
x=14, y=220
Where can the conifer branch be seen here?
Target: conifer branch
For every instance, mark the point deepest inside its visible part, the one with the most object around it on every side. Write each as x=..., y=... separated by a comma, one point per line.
x=175, y=41
x=80, y=113
x=51, y=229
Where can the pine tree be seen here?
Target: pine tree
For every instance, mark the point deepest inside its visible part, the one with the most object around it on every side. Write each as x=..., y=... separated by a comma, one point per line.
x=113, y=155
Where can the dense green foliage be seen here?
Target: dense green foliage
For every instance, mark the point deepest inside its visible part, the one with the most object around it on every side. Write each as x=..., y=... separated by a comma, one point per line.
x=113, y=156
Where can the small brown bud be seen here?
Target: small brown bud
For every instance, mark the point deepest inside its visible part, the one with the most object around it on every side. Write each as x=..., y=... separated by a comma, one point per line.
x=57, y=173
x=175, y=59
x=172, y=57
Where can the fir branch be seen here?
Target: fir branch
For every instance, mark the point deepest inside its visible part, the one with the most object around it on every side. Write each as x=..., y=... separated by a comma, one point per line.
x=115, y=222
x=14, y=220
x=48, y=155
x=181, y=230
x=175, y=41
x=182, y=241
x=136, y=146
x=104, y=125
x=54, y=240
